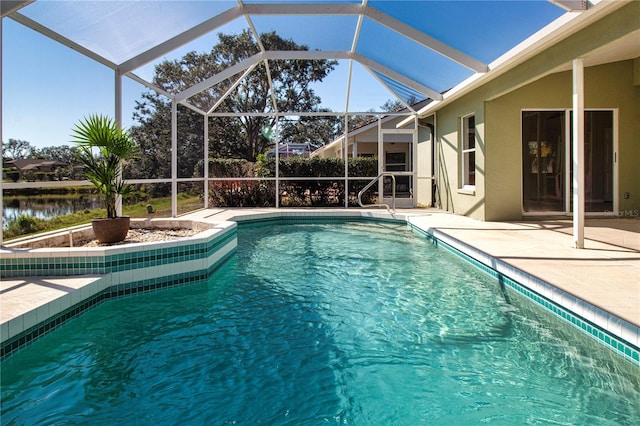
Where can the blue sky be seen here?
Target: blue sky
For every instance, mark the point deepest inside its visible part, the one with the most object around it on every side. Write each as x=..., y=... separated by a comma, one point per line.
x=48, y=87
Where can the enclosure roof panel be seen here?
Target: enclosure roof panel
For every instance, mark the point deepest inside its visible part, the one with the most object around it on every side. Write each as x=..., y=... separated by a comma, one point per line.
x=413, y=49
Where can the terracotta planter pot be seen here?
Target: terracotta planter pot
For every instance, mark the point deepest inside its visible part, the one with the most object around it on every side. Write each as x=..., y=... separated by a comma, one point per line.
x=111, y=230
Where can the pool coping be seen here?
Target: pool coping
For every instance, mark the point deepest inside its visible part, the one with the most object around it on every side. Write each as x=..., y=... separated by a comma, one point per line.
x=618, y=335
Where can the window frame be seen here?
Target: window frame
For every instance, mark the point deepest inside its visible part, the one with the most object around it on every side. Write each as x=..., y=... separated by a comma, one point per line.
x=467, y=167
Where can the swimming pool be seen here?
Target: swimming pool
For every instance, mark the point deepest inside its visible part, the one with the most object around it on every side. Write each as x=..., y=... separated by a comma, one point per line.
x=354, y=323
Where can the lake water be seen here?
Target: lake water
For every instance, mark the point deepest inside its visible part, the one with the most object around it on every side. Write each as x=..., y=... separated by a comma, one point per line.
x=47, y=207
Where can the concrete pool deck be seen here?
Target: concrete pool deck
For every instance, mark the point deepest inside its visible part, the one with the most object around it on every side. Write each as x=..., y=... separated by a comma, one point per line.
x=605, y=274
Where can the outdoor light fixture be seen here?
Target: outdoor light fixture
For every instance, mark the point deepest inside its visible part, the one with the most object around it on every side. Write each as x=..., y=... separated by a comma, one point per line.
x=571, y=5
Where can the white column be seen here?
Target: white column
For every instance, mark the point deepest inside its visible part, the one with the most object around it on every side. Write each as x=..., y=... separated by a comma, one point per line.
x=345, y=141
x=1, y=143
x=206, y=161
x=414, y=163
x=118, y=117
x=380, y=161
x=578, y=153
x=174, y=158
x=277, y=147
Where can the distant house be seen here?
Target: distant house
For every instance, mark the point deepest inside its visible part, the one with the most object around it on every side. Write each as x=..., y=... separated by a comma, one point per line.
x=293, y=150
x=32, y=169
x=381, y=138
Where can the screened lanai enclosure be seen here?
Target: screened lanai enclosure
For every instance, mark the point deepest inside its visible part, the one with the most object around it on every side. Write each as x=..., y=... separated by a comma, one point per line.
x=215, y=92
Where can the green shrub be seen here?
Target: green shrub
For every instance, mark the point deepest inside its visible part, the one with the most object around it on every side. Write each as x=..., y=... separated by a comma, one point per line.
x=22, y=225
x=294, y=193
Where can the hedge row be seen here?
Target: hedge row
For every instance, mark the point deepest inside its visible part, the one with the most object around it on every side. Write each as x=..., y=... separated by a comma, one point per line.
x=293, y=193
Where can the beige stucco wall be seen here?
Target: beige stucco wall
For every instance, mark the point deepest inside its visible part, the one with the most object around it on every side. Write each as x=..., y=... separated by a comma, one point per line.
x=450, y=194
x=424, y=170
x=607, y=86
x=498, y=105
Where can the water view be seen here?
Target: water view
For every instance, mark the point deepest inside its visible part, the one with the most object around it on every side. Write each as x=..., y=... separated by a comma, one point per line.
x=47, y=206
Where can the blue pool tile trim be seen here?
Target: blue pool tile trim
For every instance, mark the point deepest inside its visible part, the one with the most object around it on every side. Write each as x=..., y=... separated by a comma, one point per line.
x=113, y=292
x=319, y=220
x=99, y=264
x=620, y=346
x=138, y=258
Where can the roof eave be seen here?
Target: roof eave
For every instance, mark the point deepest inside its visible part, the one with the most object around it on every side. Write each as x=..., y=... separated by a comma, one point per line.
x=558, y=30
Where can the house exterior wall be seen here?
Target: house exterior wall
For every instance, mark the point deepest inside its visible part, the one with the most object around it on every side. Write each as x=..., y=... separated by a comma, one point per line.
x=498, y=106
x=450, y=192
x=424, y=170
x=607, y=87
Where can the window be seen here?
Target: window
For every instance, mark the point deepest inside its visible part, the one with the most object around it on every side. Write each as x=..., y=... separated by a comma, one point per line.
x=468, y=157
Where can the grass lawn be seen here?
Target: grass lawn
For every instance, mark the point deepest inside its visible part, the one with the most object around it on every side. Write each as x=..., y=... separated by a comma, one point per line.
x=27, y=225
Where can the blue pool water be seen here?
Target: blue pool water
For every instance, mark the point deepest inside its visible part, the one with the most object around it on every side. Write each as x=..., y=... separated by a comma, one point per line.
x=355, y=323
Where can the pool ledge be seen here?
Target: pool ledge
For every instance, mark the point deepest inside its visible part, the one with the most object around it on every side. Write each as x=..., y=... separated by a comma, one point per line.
x=615, y=333
x=43, y=287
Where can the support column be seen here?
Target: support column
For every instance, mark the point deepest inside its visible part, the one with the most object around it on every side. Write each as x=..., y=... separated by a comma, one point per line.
x=345, y=141
x=174, y=158
x=277, y=147
x=205, y=168
x=380, y=161
x=414, y=162
x=578, y=153
x=118, y=118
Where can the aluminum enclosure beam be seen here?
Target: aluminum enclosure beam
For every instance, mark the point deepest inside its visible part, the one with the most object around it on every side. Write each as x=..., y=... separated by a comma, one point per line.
x=571, y=5
x=220, y=77
x=428, y=92
x=47, y=32
x=306, y=55
x=9, y=6
x=426, y=40
x=180, y=40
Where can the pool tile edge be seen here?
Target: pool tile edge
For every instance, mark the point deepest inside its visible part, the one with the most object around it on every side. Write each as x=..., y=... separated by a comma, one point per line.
x=608, y=330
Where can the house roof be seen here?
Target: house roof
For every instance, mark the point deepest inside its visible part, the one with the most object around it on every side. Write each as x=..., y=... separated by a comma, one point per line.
x=409, y=49
x=371, y=124
x=623, y=48
x=34, y=164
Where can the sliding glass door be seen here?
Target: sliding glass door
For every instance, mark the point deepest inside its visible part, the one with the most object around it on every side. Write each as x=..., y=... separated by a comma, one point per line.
x=598, y=161
x=546, y=170
x=543, y=153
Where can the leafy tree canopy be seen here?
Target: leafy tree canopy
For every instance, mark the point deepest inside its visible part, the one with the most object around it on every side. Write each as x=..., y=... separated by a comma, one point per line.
x=16, y=148
x=229, y=137
x=356, y=121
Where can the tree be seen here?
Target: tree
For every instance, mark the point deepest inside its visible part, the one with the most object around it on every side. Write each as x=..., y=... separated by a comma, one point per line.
x=315, y=130
x=63, y=153
x=229, y=137
x=356, y=121
x=17, y=148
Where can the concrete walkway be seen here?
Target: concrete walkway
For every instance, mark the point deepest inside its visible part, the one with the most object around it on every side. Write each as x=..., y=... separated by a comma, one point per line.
x=604, y=274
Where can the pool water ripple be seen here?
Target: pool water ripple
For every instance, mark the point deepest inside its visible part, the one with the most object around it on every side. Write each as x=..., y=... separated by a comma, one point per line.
x=358, y=323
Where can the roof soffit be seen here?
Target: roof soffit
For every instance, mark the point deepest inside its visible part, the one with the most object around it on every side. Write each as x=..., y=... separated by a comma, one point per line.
x=558, y=30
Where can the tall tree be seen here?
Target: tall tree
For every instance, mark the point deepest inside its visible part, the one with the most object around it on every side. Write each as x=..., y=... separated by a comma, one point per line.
x=63, y=153
x=356, y=121
x=229, y=137
x=16, y=148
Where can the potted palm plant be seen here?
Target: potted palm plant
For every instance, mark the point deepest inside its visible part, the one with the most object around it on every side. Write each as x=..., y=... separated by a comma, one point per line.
x=104, y=147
